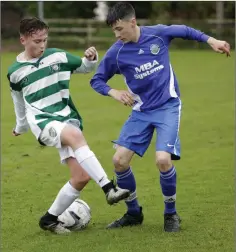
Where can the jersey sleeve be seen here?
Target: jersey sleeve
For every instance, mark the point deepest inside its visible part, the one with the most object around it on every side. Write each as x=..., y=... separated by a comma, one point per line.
x=106, y=70
x=86, y=66
x=73, y=61
x=14, y=85
x=181, y=31
x=22, y=125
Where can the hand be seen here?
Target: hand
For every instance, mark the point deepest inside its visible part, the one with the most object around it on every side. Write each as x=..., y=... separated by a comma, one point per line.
x=122, y=96
x=90, y=53
x=219, y=46
x=15, y=133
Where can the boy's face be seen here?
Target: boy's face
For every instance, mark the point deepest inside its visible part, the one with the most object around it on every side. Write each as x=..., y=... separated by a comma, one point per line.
x=125, y=29
x=36, y=43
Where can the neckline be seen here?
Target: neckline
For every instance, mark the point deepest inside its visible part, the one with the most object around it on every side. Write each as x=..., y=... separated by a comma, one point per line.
x=139, y=39
x=33, y=61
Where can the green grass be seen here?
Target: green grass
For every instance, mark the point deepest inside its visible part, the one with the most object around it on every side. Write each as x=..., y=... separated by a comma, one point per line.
x=32, y=176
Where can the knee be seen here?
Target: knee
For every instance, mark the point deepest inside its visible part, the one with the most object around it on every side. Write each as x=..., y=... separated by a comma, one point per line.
x=163, y=161
x=120, y=162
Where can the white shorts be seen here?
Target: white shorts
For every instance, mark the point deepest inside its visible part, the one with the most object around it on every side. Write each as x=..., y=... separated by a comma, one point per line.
x=50, y=136
x=65, y=152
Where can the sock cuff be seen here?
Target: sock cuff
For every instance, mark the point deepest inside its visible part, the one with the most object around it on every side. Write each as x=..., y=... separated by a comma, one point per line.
x=120, y=175
x=168, y=174
x=71, y=188
x=169, y=199
x=83, y=153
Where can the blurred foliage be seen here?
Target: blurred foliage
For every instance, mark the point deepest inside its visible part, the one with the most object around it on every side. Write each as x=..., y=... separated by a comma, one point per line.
x=81, y=9
x=192, y=13
x=65, y=9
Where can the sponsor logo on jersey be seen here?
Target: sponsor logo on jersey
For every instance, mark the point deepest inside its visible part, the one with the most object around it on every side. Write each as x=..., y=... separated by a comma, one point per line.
x=147, y=69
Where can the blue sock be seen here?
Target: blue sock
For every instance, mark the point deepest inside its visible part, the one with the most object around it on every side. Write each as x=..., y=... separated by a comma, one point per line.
x=126, y=180
x=168, y=185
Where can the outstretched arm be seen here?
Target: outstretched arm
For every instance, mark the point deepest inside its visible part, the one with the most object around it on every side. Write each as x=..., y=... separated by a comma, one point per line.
x=186, y=32
x=219, y=46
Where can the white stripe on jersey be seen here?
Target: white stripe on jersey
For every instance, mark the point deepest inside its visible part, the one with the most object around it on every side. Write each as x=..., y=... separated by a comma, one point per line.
x=64, y=112
x=57, y=57
x=20, y=73
x=46, y=82
x=136, y=98
x=180, y=107
x=51, y=99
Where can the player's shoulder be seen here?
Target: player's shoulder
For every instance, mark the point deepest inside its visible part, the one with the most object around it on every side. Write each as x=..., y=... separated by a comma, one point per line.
x=13, y=67
x=154, y=29
x=50, y=51
x=114, y=49
x=13, y=73
x=55, y=55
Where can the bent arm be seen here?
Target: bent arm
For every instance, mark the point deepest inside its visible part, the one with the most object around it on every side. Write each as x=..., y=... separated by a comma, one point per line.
x=106, y=70
x=87, y=66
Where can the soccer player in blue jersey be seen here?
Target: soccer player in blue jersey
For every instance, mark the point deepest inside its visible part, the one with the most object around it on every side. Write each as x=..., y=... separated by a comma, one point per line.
x=141, y=55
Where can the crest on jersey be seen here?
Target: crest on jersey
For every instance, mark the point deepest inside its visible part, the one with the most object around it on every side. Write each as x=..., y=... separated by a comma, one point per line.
x=55, y=68
x=52, y=132
x=155, y=49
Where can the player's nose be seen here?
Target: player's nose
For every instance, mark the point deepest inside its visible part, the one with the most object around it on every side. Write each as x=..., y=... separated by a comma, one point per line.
x=117, y=35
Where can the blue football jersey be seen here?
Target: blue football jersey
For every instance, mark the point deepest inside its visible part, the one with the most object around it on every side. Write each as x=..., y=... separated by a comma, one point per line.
x=145, y=65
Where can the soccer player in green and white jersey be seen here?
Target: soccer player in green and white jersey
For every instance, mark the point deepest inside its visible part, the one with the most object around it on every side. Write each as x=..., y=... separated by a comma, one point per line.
x=39, y=81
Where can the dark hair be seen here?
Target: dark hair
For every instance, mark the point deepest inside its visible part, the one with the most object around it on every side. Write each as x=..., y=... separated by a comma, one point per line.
x=119, y=11
x=28, y=26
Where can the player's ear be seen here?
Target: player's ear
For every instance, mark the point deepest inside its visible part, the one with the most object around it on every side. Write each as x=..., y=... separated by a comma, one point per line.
x=22, y=39
x=133, y=22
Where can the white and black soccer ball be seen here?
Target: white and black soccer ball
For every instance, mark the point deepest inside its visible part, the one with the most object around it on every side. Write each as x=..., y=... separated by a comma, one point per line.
x=77, y=216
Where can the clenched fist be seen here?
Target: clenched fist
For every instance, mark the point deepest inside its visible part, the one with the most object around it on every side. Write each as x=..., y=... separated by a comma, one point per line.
x=90, y=53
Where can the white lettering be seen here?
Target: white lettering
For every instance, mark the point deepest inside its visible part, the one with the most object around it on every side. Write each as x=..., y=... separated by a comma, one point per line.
x=146, y=66
x=147, y=73
x=140, y=69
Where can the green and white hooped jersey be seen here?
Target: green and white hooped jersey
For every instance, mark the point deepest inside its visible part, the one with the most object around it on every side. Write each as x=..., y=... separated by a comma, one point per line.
x=40, y=89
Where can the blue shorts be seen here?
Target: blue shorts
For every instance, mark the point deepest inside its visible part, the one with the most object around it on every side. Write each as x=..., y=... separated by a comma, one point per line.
x=137, y=132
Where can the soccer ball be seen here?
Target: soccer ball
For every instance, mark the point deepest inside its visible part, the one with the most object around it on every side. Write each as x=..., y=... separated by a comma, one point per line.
x=77, y=216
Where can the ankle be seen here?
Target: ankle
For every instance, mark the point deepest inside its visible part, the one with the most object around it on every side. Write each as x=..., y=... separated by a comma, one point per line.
x=106, y=188
x=49, y=216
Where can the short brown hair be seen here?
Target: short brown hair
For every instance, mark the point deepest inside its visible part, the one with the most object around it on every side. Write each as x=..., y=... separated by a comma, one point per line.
x=120, y=11
x=28, y=26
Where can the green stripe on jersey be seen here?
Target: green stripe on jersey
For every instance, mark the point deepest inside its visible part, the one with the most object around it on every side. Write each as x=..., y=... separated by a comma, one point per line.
x=73, y=115
x=56, y=107
x=42, y=93
x=42, y=73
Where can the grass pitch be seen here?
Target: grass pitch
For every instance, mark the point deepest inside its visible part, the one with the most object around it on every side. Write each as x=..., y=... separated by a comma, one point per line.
x=32, y=176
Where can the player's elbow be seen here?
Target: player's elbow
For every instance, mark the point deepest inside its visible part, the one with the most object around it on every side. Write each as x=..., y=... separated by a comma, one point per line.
x=97, y=84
